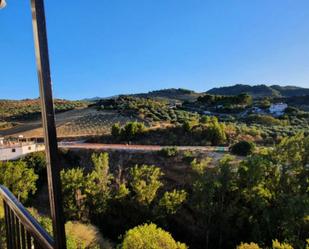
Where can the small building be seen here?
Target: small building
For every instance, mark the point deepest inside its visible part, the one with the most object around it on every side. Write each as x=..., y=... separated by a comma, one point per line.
x=206, y=112
x=256, y=109
x=278, y=109
x=13, y=150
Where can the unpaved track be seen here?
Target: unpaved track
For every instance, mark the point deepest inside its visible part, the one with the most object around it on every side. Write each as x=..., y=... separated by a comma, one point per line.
x=138, y=147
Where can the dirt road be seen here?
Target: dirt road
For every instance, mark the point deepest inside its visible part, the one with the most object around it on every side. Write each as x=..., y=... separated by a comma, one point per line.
x=72, y=145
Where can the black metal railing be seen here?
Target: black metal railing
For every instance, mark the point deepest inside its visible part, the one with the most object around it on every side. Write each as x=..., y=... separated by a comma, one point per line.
x=22, y=230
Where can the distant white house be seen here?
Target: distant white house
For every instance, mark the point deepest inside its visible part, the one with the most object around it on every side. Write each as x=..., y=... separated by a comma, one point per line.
x=206, y=112
x=15, y=150
x=278, y=109
x=256, y=109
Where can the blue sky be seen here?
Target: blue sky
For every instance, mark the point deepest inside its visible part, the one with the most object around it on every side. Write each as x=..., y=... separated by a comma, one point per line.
x=107, y=47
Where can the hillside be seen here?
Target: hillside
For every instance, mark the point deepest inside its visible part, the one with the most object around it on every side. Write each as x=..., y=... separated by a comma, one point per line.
x=171, y=94
x=27, y=109
x=162, y=108
x=259, y=91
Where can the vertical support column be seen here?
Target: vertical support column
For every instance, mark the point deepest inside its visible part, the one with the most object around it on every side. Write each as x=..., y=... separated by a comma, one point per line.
x=48, y=119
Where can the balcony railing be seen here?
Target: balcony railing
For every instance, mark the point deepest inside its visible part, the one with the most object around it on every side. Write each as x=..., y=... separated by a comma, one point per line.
x=22, y=230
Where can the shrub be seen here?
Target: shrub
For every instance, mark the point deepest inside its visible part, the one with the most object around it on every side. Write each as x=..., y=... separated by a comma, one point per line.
x=188, y=126
x=149, y=236
x=266, y=120
x=278, y=245
x=85, y=236
x=116, y=130
x=188, y=156
x=215, y=132
x=243, y=148
x=78, y=235
x=169, y=151
x=248, y=246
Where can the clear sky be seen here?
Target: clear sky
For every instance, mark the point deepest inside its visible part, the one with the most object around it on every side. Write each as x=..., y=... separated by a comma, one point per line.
x=107, y=47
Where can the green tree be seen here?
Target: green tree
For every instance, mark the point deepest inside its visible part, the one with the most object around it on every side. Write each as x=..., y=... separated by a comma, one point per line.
x=215, y=132
x=244, y=99
x=171, y=201
x=149, y=236
x=145, y=182
x=116, y=130
x=74, y=193
x=99, y=183
x=87, y=194
x=16, y=176
x=243, y=148
x=37, y=162
x=132, y=129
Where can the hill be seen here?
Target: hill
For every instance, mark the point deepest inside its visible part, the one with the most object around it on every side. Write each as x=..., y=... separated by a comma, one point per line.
x=259, y=91
x=27, y=109
x=171, y=94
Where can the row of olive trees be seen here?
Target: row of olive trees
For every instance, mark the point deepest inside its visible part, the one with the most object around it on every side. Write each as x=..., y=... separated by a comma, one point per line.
x=207, y=129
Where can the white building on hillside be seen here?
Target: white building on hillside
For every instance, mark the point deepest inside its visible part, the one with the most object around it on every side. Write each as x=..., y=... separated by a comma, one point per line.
x=15, y=150
x=278, y=109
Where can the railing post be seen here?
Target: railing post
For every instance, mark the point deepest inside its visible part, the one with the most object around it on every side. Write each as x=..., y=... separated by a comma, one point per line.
x=48, y=119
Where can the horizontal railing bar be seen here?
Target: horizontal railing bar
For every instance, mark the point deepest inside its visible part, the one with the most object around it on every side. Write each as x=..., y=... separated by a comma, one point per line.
x=30, y=224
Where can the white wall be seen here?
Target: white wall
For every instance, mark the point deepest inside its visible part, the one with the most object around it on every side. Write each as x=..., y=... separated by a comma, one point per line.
x=16, y=151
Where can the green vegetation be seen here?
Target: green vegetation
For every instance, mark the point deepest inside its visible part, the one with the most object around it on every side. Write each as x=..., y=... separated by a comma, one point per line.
x=149, y=237
x=129, y=131
x=275, y=245
x=259, y=91
x=259, y=198
x=216, y=204
x=86, y=194
x=243, y=148
x=169, y=151
x=78, y=235
x=171, y=94
x=278, y=245
x=145, y=183
x=191, y=133
x=242, y=99
x=266, y=120
x=149, y=110
x=248, y=246
x=20, y=179
x=265, y=194
x=11, y=110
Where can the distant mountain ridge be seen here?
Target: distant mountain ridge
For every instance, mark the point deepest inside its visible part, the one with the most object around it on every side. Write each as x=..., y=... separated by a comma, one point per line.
x=259, y=91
